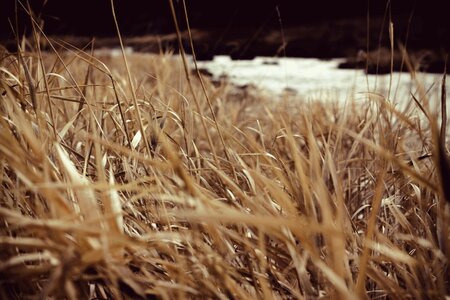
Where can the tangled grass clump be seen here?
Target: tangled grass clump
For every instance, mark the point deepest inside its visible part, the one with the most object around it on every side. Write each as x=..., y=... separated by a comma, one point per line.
x=141, y=187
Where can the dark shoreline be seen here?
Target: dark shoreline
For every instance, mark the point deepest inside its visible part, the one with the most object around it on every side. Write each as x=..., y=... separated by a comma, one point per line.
x=347, y=38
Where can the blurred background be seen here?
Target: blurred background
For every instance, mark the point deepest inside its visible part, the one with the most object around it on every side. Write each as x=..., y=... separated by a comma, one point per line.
x=246, y=28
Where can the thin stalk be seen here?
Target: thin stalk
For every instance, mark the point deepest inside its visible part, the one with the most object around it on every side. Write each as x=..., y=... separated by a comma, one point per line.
x=191, y=88
x=130, y=82
x=202, y=83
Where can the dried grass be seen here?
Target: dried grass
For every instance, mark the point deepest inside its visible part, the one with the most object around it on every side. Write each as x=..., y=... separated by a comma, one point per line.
x=241, y=196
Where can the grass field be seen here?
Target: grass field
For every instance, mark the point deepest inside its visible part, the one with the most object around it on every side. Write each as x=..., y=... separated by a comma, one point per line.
x=135, y=179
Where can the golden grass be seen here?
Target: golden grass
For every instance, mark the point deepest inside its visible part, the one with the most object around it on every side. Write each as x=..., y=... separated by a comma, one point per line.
x=241, y=196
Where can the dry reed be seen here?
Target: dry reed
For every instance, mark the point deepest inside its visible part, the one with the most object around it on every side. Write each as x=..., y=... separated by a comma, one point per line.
x=241, y=196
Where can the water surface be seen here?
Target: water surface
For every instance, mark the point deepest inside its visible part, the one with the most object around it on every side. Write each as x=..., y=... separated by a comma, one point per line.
x=318, y=79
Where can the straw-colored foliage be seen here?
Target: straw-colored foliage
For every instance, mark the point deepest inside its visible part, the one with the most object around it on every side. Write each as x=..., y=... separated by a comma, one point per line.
x=244, y=196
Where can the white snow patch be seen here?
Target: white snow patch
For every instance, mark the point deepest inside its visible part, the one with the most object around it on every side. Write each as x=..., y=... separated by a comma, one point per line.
x=314, y=78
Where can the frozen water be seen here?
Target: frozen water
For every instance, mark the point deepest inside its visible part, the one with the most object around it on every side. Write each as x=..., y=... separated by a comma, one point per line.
x=314, y=78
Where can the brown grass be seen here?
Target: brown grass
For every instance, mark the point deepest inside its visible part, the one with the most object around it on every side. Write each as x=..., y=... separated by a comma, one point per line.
x=241, y=196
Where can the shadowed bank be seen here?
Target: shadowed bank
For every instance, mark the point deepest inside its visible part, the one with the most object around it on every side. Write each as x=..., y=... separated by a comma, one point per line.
x=245, y=29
